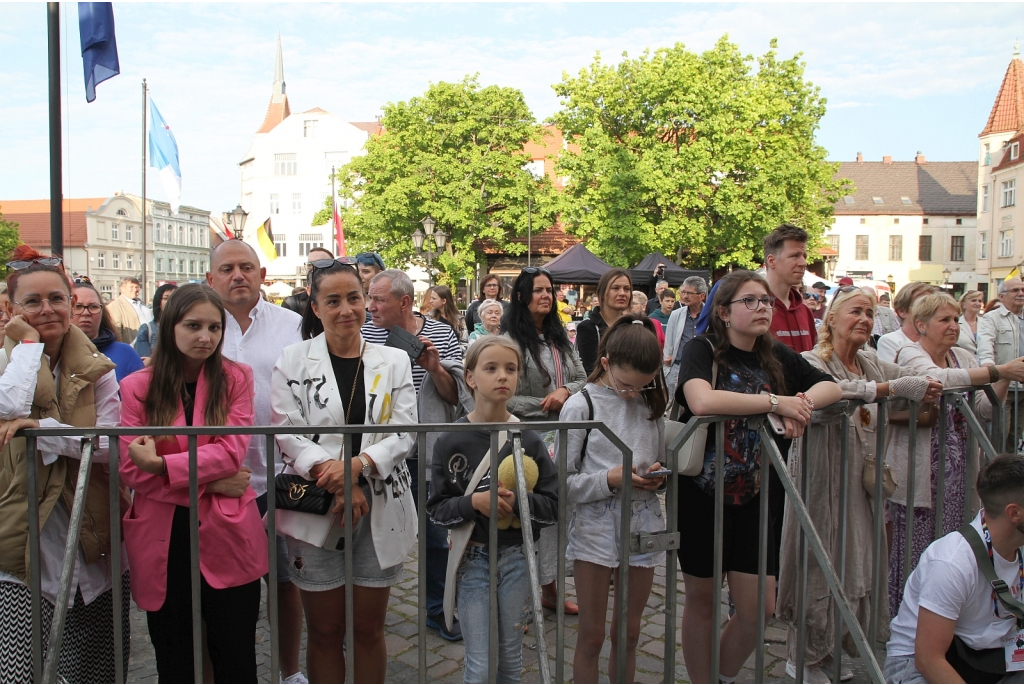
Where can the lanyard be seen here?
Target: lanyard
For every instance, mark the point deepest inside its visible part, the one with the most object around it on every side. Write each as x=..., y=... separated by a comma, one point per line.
x=1020, y=563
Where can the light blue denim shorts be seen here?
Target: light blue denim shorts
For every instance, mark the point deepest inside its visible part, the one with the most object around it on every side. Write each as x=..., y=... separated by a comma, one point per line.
x=316, y=569
x=594, y=531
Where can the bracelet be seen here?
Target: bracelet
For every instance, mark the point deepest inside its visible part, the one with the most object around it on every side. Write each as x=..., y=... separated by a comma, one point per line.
x=892, y=390
x=993, y=374
x=29, y=341
x=806, y=399
x=163, y=467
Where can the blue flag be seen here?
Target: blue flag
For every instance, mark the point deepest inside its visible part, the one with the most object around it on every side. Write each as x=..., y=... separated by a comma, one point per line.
x=163, y=156
x=99, y=47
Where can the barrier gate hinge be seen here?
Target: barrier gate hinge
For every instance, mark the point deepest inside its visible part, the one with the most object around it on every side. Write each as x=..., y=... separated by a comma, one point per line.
x=646, y=543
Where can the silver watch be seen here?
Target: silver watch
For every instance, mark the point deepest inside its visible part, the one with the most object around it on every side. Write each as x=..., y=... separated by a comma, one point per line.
x=774, y=399
x=365, y=471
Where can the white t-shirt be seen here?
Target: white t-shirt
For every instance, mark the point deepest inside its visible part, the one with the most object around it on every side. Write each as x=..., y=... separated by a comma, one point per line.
x=948, y=582
x=890, y=343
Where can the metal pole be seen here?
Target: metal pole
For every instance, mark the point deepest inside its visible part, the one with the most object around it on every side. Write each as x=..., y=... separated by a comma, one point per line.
x=625, y=519
x=844, y=493
x=56, y=169
x=716, y=577
x=350, y=616
x=523, y=499
x=193, y=540
x=563, y=541
x=334, y=228
x=60, y=608
x=940, y=486
x=421, y=589
x=272, y=610
x=671, y=568
x=762, y=578
x=492, y=566
x=801, y=593
x=908, y=539
x=34, y=577
x=144, y=94
x=529, y=230
x=879, y=531
x=113, y=464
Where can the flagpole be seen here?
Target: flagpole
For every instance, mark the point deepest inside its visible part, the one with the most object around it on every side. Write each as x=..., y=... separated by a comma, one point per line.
x=56, y=170
x=334, y=213
x=144, y=103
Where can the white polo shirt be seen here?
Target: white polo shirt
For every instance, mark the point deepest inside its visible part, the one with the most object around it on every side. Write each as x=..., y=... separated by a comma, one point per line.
x=272, y=329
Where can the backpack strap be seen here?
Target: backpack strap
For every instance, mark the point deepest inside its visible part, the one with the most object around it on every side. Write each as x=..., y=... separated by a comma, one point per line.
x=988, y=570
x=590, y=417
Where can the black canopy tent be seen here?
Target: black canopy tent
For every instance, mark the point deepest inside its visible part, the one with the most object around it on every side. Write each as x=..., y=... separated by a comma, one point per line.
x=577, y=265
x=643, y=273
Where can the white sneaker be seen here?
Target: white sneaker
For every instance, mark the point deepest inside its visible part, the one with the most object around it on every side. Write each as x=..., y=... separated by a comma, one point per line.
x=845, y=673
x=812, y=674
x=295, y=679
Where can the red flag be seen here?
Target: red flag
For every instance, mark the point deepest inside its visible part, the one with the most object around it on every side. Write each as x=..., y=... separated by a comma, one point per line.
x=339, y=231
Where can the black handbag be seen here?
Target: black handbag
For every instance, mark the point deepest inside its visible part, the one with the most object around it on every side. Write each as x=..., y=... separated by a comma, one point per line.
x=295, y=493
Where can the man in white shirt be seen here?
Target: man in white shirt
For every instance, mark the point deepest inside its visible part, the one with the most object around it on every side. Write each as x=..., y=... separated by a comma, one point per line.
x=999, y=341
x=255, y=333
x=947, y=598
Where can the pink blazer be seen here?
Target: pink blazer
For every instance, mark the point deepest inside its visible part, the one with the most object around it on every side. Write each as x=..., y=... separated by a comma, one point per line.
x=232, y=539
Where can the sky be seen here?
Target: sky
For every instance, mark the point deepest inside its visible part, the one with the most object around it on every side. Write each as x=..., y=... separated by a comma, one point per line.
x=899, y=78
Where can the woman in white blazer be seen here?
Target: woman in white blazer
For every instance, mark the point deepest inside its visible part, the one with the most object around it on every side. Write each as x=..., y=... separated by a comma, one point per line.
x=335, y=378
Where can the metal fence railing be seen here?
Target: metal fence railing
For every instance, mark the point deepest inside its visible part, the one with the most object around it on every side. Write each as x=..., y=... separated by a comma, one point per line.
x=810, y=542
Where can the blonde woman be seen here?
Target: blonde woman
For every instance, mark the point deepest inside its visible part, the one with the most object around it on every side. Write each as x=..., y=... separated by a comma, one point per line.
x=842, y=354
x=971, y=304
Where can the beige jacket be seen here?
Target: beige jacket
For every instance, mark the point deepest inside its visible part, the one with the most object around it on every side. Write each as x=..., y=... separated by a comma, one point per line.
x=125, y=318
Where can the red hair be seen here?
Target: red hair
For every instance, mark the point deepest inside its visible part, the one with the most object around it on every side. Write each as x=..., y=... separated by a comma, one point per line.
x=28, y=253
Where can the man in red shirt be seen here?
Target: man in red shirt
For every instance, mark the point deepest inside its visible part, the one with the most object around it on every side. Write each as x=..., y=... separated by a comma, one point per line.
x=785, y=259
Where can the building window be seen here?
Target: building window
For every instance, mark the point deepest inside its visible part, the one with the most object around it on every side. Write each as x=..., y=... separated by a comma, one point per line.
x=983, y=245
x=158, y=235
x=275, y=206
x=285, y=164
x=877, y=200
x=924, y=248
x=861, y=248
x=895, y=248
x=129, y=261
x=309, y=128
x=296, y=203
x=117, y=260
x=848, y=200
x=181, y=266
x=113, y=230
x=956, y=248
x=282, y=248
x=203, y=266
x=924, y=221
x=863, y=221
x=101, y=260
x=906, y=200
x=121, y=212
x=181, y=235
x=191, y=266
x=984, y=198
x=1015, y=151
x=959, y=222
x=896, y=221
x=309, y=241
x=128, y=233
x=1009, y=198
x=1006, y=243
x=192, y=235
x=106, y=293
x=159, y=263
x=833, y=242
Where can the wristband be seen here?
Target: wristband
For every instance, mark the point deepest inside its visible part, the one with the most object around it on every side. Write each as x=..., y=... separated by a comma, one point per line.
x=993, y=374
x=29, y=341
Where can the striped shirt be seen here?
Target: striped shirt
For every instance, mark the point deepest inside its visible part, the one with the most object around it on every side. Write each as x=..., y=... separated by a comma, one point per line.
x=438, y=332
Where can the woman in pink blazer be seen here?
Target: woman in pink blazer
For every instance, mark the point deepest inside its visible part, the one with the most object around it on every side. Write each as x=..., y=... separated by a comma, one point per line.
x=190, y=383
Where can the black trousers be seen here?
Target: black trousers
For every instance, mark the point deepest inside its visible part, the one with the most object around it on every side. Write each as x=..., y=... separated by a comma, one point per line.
x=230, y=616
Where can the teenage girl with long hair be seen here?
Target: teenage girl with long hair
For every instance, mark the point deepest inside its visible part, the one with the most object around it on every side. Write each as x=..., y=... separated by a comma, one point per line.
x=755, y=374
x=189, y=383
x=626, y=391
x=441, y=304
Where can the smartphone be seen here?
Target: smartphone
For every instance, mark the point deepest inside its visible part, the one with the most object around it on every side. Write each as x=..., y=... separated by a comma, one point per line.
x=656, y=474
x=777, y=424
x=401, y=339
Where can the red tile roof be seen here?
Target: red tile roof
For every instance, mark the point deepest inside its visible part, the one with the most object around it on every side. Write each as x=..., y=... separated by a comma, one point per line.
x=34, y=217
x=276, y=113
x=1008, y=110
x=372, y=127
x=949, y=188
x=1006, y=162
x=549, y=241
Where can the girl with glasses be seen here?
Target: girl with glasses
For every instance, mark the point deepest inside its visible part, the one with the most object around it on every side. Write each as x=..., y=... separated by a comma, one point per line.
x=52, y=376
x=627, y=392
x=753, y=374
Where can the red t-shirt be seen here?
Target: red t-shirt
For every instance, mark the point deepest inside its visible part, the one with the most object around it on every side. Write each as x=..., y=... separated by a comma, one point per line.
x=793, y=326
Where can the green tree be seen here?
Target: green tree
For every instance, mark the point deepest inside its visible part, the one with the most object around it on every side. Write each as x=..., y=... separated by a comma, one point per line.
x=9, y=237
x=455, y=153
x=696, y=155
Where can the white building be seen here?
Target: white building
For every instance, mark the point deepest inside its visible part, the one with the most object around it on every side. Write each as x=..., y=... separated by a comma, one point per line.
x=286, y=176
x=103, y=239
x=1000, y=146
x=908, y=221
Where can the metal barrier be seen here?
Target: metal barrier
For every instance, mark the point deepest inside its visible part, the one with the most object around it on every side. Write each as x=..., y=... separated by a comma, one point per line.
x=810, y=541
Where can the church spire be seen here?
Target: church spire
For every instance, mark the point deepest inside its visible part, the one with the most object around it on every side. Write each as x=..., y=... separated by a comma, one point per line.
x=279, y=109
x=1007, y=113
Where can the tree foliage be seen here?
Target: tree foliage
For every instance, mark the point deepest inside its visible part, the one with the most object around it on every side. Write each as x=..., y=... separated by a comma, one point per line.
x=9, y=237
x=695, y=155
x=455, y=153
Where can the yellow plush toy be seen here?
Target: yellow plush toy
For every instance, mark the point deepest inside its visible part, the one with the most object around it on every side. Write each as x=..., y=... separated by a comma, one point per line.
x=507, y=479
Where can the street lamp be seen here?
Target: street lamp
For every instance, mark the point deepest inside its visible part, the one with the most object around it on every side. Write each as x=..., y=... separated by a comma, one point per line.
x=440, y=239
x=236, y=217
x=946, y=273
x=891, y=282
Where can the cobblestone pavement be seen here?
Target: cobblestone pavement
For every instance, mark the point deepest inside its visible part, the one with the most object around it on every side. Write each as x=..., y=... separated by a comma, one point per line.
x=444, y=659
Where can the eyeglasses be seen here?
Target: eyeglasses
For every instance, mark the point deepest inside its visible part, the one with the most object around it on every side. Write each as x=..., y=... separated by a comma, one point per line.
x=34, y=306
x=20, y=264
x=845, y=289
x=83, y=279
x=491, y=285
x=328, y=263
x=615, y=386
x=751, y=302
x=688, y=292
x=79, y=309
x=1008, y=290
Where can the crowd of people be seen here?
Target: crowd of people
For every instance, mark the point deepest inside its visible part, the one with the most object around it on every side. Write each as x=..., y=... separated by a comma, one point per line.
x=353, y=348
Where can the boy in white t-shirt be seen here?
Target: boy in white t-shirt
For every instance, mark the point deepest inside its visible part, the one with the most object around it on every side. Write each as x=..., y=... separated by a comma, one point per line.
x=947, y=595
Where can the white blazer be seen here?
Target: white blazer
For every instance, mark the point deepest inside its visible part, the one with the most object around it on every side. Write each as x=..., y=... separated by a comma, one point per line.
x=304, y=392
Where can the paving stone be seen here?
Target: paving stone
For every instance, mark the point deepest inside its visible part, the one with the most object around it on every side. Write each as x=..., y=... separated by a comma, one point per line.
x=443, y=668
x=397, y=644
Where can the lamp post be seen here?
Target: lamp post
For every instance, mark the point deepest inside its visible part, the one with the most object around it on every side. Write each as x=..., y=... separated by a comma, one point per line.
x=946, y=273
x=440, y=239
x=891, y=282
x=236, y=219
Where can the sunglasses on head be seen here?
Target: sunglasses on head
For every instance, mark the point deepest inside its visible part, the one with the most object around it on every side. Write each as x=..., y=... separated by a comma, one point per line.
x=536, y=270
x=19, y=264
x=377, y=260
x=328, y=263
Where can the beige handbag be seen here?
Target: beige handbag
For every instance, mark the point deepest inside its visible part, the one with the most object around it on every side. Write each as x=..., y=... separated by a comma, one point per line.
x=869, y=471
x=690, y=458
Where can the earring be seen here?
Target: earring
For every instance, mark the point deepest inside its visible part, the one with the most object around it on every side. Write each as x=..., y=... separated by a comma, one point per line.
x=727, y=324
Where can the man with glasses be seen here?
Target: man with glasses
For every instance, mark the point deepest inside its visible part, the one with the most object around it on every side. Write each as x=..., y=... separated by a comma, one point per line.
x=999, y=341
x=438, y=401
x=681, y=329
x=127, y=312
x=255, y=333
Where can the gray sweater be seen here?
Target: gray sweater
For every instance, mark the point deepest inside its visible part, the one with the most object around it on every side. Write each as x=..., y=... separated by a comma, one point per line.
x=587, y=477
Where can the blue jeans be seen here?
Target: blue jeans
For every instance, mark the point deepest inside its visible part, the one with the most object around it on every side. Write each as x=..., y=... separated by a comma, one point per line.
x=437, y=549
x=473, y=598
